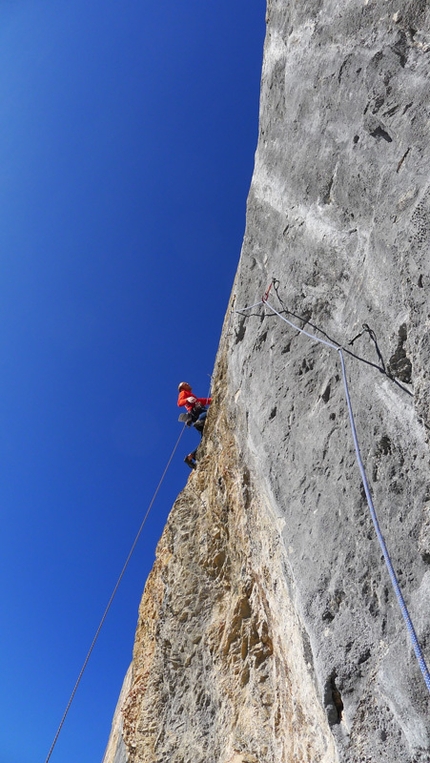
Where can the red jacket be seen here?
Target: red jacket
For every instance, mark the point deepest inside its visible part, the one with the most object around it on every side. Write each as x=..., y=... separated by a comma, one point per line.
x=189, y=400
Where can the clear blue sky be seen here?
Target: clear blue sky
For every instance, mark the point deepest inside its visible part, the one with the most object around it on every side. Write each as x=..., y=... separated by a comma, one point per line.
x=127, y=139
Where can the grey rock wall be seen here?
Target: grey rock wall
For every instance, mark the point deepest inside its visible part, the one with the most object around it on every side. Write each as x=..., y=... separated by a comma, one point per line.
x=269, y=631
x=339, y=213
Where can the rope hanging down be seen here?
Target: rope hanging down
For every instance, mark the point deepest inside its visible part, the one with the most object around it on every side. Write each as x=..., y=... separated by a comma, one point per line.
x=403, y=608
x=109, y=604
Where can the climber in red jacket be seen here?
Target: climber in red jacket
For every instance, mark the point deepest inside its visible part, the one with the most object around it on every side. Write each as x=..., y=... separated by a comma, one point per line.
x=189, y=400
x=196, y=413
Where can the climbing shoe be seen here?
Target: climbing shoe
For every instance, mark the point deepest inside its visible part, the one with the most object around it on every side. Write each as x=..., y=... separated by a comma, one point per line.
x=190, y=460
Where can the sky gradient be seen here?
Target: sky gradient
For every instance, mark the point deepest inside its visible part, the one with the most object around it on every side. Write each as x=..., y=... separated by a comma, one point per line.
x=127, y=140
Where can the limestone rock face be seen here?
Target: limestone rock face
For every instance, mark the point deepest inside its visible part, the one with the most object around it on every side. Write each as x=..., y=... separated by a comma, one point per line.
x=268, y=631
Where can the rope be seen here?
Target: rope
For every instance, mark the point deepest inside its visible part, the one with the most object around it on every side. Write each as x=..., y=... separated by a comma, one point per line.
x=250, y=307
x=403, y=608
x=302, y=331
x=109, y=604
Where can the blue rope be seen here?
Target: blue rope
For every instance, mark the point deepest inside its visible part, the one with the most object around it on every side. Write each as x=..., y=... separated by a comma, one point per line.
x=403, y=608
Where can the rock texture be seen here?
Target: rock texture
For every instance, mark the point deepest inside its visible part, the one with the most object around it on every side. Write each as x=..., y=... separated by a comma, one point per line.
x=268, y=631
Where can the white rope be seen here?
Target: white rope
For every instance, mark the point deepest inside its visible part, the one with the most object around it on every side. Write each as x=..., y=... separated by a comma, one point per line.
x=250, y=307
x=302, y=331
x=108, y=606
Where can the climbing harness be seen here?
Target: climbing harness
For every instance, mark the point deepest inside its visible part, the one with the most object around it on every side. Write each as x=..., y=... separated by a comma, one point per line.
x=109, y=604
x=403, y=608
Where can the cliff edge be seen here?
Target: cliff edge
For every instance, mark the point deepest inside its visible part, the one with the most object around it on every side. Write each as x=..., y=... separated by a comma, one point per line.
x=268, y=630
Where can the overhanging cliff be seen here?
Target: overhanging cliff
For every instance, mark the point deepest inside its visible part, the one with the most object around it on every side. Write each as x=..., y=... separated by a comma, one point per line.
x=268, y=631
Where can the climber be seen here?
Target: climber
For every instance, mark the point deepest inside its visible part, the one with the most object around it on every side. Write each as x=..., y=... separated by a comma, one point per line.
x=196, y=408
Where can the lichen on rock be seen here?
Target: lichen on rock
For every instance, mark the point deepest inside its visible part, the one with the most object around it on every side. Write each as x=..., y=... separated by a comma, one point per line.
x=211, y=677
